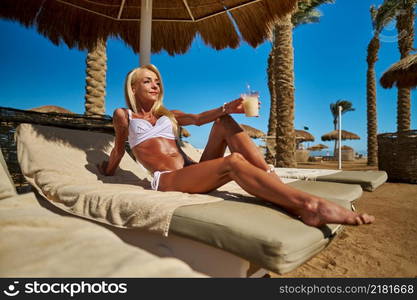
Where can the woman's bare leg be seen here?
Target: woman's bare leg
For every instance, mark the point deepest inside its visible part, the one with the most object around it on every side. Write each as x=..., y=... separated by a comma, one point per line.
x=209, y=175
x=227, y=132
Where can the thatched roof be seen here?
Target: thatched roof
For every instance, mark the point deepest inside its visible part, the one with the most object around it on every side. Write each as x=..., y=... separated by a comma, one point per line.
x=317, y=147
x=344, y=147
x=80, y=23
x=303, y=136
x=252, y=132
x=334, y=135
x=51, y=108
x=403, y=74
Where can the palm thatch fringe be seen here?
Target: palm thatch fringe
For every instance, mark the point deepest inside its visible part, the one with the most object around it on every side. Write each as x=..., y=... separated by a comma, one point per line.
x=80, y=23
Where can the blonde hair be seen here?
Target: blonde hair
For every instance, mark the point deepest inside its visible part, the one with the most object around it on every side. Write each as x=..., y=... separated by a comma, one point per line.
x=158, y=109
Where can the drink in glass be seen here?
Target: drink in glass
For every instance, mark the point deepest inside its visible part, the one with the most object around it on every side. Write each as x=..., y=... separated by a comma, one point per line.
x=250, y=104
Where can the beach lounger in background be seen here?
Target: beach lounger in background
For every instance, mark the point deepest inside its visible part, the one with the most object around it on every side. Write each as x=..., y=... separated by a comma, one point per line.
x=324, y=189
x=368, y=180
x=35, y=242
x=220, y=234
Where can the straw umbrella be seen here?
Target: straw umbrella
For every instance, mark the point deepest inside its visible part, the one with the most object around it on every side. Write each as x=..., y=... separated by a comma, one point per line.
x=302, y=136
x=252, y=132
x=334, y=135
x=317, y=147
x=172, y=23
x=184, y=132
x=402, y=74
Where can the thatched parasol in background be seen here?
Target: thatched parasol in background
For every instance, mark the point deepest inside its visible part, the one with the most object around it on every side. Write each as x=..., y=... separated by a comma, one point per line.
x=173, y=24
x=403, y=74
x=334, y=135
x=303, y=136
x=184, y=132
x=51, y=108
x=317, y=147
x=252, y=132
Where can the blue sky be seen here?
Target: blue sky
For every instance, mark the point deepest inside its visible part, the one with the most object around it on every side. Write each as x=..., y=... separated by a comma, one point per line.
x=330, y=64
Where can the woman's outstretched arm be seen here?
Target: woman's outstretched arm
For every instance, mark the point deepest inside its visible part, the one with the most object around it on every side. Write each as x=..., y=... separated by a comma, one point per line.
x=235, y=106
x=121, y=124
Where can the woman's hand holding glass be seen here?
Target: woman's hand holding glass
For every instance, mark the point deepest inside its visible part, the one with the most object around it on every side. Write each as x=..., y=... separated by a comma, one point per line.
x=237, y=106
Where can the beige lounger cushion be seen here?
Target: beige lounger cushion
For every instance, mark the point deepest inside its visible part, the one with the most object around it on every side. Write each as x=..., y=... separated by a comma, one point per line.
x=260, y=233
x=338, y=191
x=368, y=180
x=34, y=242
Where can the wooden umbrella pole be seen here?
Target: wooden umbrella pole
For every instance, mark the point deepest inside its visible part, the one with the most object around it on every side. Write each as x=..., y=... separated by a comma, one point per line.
x=145, y=32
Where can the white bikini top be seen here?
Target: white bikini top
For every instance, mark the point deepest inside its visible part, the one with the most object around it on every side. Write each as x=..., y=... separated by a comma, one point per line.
x=141, y=130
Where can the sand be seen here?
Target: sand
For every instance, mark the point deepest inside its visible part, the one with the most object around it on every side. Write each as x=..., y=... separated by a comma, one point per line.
x=386, y=248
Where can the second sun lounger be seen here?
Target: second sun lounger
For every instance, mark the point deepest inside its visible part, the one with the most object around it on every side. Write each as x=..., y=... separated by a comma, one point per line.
x=368, y=180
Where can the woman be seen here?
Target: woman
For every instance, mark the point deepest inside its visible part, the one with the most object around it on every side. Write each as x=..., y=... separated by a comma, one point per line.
x=151, y=131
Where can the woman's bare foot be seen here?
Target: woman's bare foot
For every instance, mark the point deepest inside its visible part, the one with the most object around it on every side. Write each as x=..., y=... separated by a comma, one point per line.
x=317, y=212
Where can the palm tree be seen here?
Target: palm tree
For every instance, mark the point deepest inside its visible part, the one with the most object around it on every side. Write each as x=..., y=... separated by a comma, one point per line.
x=95, y=88
x=334, y=109
x=380, y=16
x=281, y=81
x=272, y=122
x=405, y=28
x=371, y=59
x=282, y=69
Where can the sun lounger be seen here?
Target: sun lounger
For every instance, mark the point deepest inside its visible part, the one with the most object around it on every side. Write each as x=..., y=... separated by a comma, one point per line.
x=219, y=234
x=368, y=180
x=35, y=242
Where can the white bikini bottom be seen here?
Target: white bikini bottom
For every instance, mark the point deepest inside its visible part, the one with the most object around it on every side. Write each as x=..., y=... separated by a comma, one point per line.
x=155, y=180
